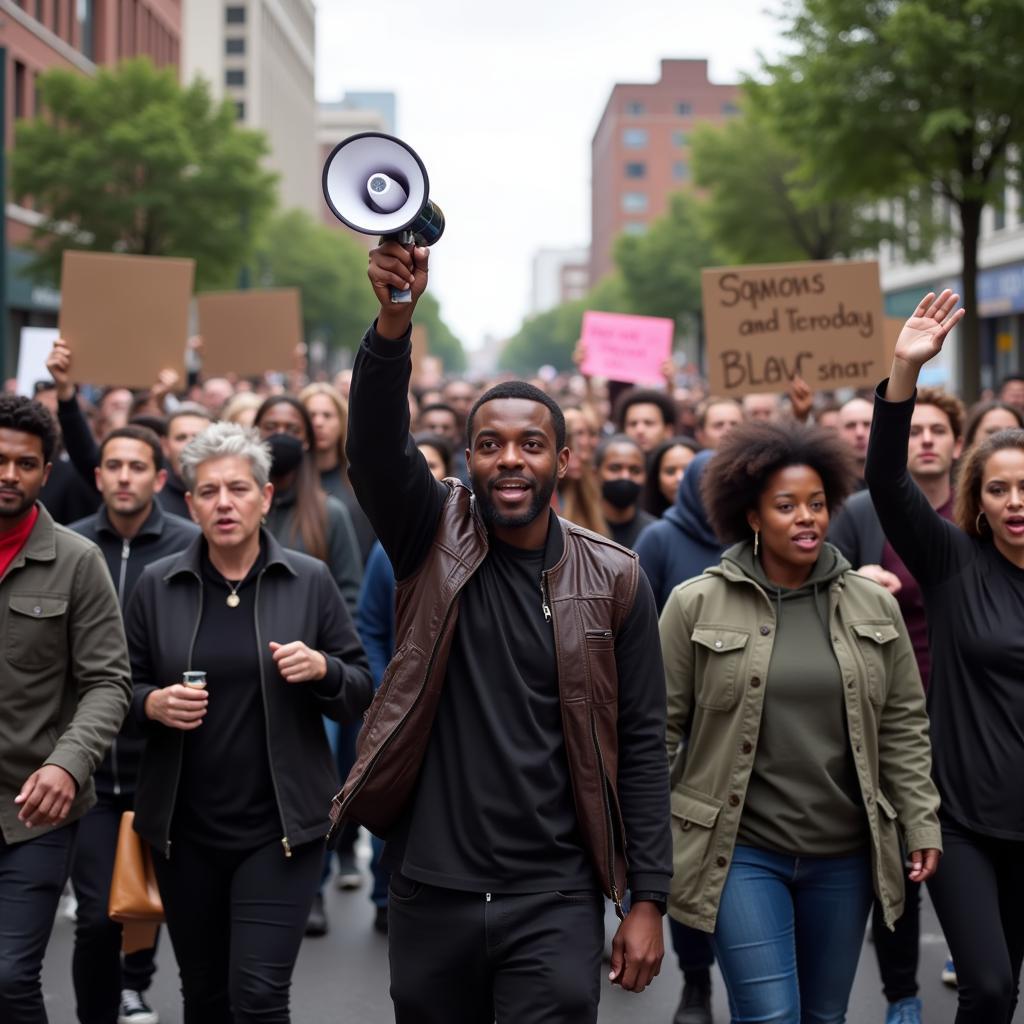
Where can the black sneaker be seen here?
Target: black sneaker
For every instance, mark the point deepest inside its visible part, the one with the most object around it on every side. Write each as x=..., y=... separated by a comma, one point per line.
x=380, y=920
x=316, y=923
x=695, y=1006
x=135, y=1010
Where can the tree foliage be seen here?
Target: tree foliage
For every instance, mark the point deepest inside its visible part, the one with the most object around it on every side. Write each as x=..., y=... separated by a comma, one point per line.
x=130, y=161
x=441, y=342
x=886, y=96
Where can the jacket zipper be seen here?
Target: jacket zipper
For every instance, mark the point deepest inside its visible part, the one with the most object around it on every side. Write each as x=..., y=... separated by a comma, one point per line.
x=336, y=824
x=544, y=597
x=181, y=741
x=266, y=717
x=126, y=549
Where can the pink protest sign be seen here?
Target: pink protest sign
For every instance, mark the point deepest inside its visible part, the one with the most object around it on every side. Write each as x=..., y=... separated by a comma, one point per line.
x=626, y=348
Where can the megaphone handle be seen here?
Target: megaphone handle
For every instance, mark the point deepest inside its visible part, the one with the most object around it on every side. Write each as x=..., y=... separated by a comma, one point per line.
x=407, y=239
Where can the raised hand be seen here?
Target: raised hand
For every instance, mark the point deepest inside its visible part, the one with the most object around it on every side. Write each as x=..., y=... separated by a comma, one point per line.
x=923, y=334
x=58, y=362
x=392, y=265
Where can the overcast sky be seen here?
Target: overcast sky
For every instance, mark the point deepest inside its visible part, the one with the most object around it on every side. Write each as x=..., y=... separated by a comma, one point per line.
x=501, y=101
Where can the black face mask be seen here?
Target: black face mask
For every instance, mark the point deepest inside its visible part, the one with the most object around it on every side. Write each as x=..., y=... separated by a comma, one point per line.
x=622, y=493
x=285, y=454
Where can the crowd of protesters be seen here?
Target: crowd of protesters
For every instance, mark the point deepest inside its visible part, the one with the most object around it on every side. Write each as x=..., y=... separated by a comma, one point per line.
x=827, y=715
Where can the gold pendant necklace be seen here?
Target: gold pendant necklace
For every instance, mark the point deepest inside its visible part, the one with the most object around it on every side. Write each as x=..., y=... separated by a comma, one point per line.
x=233, y=600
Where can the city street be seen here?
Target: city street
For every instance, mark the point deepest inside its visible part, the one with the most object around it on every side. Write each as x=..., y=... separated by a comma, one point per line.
x=342, y=978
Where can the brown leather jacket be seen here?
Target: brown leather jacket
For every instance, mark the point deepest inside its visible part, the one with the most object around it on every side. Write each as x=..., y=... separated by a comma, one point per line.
x=587, y=595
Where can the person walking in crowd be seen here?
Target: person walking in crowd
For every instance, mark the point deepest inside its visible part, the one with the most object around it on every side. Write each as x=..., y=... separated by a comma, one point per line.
x=328, y=412
x=302, y=517
x=237, y=774
x=621, y=470
x=936, y=430
x=131, y=531
x=715, y=418
x=188, y=421
x=971, y=574
x=579, y=493
x=646, y=416
x=798, y=732
x=529, y=692
x=65, y=683
x=1011, y=390
x=665, y=468
x=988, y=418
x=855, y=428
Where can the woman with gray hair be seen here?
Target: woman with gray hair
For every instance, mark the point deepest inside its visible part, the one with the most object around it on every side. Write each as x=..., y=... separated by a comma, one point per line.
x=238, y=647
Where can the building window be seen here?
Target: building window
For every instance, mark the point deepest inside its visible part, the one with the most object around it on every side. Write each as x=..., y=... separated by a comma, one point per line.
x=634, y=227
x=636, y=170
x=634, y=108
x=634, y=202
x=85, y=13
x=999, y=217
x=234, y=15
x=234, y=45
x=634, y=138
x=730, y=109
x=239, y=111
x=20, y=90
x=680, y=139
x=684, y=109
x=234, y=76
x=39, y=10
x=680, y=170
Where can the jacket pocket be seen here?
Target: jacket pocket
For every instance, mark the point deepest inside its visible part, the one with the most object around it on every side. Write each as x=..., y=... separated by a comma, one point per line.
x=873, y=639
x=36, y=632
x=719, y=657
x=694, y=816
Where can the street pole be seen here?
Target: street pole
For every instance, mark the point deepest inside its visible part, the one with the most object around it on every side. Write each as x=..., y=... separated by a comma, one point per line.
x=4, y=320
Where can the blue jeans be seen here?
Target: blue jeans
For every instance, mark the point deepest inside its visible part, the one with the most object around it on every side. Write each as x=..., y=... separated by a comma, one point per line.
x=789, y=934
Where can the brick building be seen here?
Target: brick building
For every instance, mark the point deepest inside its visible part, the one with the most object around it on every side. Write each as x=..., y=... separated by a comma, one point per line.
x=640, y=153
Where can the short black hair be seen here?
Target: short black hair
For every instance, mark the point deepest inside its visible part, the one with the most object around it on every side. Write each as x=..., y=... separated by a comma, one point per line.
x=29, y=417
x=137, y=432
x=645, y=396
x=158, y=424
x=441, y=445
x=439, y=407
x=520, y=389
x=751, y=452
x=613, y=439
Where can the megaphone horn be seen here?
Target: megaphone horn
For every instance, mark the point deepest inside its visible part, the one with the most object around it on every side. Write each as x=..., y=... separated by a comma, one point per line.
x=377, y=185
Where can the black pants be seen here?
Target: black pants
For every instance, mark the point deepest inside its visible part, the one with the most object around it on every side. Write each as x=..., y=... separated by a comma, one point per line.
x=897, y=950
x=461, y=958
x=236, y=921
x=978, y=893
x=32, y=877
x=97, y=968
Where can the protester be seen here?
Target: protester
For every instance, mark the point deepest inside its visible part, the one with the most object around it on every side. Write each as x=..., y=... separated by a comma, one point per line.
x=988, y=418
x=665, y=468
x=971, y=573
x=715, y=418
x=215, y=394
x=645, y=416
x=936, y=430
x=301, y=516
x=496, y=790
x=621, y=469
x=238, y=774
x=761, y=407
x=131, y=531
x=1011, y=390
x=328, y=412
x=441, y=420
x=796, y=721
x=187, y=421
x=855, y=428
x=241, y=408
x=579, y=493
x=65, y=685
x=460, y=396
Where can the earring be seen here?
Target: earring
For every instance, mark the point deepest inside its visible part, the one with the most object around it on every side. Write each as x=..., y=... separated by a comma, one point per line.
x=757, y=541
x=977, y=522
x=263, y=520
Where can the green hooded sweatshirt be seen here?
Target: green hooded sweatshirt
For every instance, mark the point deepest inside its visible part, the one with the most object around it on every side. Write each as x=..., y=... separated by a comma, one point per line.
x=803, y=796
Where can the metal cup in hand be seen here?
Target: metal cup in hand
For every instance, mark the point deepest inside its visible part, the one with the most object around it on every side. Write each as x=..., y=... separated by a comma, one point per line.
x=196, y=679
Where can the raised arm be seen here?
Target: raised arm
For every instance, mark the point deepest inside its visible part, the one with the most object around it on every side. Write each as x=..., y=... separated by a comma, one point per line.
x=390, y=477
x=931, y=547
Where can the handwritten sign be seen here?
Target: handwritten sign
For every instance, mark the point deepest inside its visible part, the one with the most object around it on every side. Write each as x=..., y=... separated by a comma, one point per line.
x=626, y=348
x=767, y=324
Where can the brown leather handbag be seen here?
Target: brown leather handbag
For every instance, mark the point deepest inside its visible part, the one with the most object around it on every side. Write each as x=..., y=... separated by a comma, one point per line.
x=134, y=897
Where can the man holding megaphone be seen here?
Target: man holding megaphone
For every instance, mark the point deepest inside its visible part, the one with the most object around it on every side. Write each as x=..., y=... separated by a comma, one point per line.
x=515, y=750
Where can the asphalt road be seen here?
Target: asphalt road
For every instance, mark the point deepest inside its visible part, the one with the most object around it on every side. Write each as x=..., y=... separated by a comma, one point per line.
x=343, y=978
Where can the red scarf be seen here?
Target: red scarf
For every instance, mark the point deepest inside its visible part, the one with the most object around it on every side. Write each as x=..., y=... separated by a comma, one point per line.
x=14, y=540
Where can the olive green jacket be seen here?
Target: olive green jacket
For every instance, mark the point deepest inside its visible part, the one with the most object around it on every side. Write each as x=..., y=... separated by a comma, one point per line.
x=65, y=683
x=717, y=632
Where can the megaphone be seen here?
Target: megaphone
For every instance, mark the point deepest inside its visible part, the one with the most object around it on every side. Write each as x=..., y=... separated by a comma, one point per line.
x=377, y=185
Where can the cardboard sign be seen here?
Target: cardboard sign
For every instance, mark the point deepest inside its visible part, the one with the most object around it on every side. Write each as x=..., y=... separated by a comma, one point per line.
x=250, y=332
x=769, y=323
x=625, y=348
x=34, y=348
x=125, y=318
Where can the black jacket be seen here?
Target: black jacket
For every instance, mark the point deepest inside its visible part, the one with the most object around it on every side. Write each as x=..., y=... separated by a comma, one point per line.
x=160, y=535
x=172, y=498
x=296, y=599
x=857, y=532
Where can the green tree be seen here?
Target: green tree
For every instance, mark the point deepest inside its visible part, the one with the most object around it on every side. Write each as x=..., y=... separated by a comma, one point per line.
x=890, y=96
x=757, y=208
x=132, y=162
x=441, y=342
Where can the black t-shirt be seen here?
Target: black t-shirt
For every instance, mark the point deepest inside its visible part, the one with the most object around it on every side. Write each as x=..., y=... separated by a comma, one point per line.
x=497, y=748
x=226, y=793
x=627, y=533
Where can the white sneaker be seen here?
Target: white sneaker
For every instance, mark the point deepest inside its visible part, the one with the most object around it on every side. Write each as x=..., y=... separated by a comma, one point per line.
x=949, y=973
x=135, y=1010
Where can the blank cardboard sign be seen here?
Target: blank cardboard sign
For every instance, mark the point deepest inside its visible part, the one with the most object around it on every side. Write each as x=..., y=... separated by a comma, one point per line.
x=249, y=332
x=125, y=318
